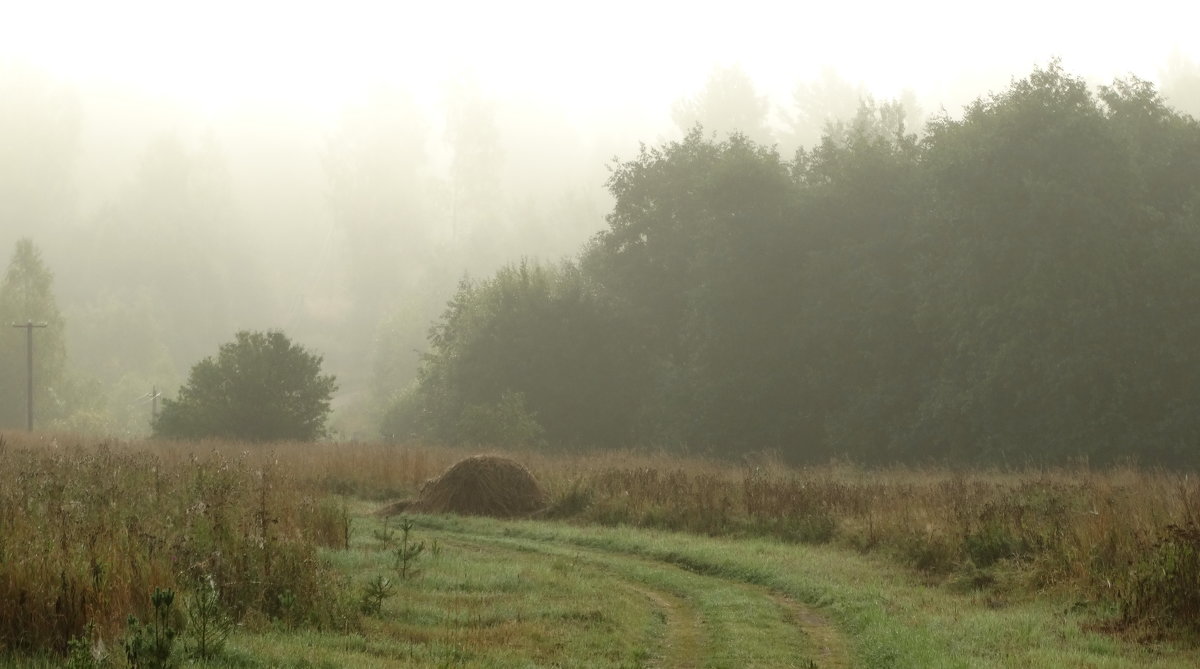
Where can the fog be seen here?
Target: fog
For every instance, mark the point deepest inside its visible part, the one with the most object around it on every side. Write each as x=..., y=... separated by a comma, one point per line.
x=335, y=169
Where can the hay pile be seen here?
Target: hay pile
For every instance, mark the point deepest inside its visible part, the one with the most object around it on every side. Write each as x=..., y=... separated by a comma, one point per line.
x=482, y=485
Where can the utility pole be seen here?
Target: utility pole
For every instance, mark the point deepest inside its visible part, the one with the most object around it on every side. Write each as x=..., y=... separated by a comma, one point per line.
x=29, y=326
x=153, y=404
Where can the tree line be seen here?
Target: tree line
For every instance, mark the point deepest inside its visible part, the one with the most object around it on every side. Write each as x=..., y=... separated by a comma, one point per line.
x=1014, y=284
x=1017, y=284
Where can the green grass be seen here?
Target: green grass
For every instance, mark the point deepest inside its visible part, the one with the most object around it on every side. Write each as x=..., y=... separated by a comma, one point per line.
x=501, y=594
x=494, y=601
x=889, y=616
x=735, y=624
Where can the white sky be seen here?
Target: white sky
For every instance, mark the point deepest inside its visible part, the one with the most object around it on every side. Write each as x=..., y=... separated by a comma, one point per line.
x=315, y=56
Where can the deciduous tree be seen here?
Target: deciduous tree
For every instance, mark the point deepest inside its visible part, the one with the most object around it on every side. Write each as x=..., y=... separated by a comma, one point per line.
x=259, y=387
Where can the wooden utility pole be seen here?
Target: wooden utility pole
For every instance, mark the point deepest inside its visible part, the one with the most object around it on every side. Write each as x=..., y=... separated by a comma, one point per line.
x=29, y=326
x=153, y=404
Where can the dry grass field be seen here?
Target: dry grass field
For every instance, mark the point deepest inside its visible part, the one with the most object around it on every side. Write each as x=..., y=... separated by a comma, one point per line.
x=90, y=529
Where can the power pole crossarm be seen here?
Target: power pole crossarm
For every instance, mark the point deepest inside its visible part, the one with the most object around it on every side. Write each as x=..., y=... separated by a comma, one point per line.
x=29, y=326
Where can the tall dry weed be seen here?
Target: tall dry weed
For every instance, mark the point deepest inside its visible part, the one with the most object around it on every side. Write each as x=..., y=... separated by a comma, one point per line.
x=89, y=530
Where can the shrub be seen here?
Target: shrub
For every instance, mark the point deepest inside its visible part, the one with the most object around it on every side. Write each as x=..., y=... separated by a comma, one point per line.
x=989, y=544
x=260, y=387
x=1164, y=587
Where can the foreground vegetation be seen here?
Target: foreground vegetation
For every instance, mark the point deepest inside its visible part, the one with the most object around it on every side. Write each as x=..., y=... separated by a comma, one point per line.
x=1061, y=567
x=89, y=535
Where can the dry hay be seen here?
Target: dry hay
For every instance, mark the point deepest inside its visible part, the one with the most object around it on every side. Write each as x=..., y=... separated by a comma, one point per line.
x=481, y=485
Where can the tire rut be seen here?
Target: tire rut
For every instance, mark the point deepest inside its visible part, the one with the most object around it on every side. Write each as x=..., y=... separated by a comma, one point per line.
x=685, y=638
x=682, y=646
x=682, y=642
x=830, y=644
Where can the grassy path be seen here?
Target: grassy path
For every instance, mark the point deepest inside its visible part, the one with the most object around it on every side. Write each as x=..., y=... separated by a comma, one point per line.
x=679, y=642
x=681, y=646
x=483, y=599
x=710, y=621
x=886, y=617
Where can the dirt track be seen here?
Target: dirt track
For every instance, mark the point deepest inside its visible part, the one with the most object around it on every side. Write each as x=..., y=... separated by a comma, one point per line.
x=700, y=612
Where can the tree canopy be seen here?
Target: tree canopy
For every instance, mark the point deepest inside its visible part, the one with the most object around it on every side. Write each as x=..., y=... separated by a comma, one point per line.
x=1010, y=286
x=259, y=387
x=538, y=348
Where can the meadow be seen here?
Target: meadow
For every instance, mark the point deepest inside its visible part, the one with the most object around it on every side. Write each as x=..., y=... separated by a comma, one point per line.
x=223, y=554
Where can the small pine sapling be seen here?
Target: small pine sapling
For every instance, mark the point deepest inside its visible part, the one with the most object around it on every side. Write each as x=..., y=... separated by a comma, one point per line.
x=408, y=550
x=374, y=593
x=152, y=646
x=208, y=624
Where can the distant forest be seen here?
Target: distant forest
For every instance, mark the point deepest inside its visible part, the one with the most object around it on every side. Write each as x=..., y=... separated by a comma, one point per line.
x=1018, y=284
x=839, y=277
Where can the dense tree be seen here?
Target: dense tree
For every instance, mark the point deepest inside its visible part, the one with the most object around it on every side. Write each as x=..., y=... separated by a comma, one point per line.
x=861, y=194
x=259, y=387
x=1060, y=242
x=27, y=296
x=700, y=252
x=1011, y=286
x=534, y=347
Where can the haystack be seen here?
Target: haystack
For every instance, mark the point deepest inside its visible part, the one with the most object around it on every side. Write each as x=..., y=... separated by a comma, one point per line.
x=482, y=485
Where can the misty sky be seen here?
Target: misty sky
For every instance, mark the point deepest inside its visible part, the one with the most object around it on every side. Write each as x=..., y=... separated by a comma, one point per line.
x=312, y=58
x=254, y=100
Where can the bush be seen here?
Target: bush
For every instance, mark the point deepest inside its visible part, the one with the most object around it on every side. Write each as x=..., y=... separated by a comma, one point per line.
x=260, y=387
x=990, y=544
